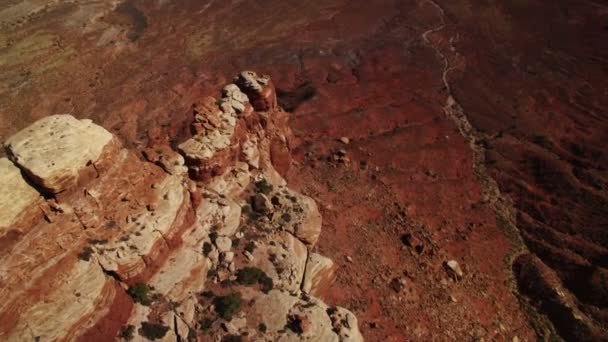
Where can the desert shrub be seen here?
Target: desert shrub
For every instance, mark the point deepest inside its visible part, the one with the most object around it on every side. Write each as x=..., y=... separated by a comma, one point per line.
x=97, y=241
x=153, y=331
x=227, y=306
x=232, y=338
x=246, y=209
x=140, y=293
x=253, y=275
x=206, y=248
x=213, y=236
x=249, y=275
x=262, y=328
x=294, y=323
x=262, y=186
x=126, y=332
x=208, y=294
x=206, y=323
x=250, y=247
x=110, y=224
x=85, y=254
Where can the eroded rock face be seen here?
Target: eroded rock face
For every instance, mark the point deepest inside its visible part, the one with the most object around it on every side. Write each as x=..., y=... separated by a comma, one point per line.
x=319, y=272
x=132, y=248
x=16, y=195
x=54, y=150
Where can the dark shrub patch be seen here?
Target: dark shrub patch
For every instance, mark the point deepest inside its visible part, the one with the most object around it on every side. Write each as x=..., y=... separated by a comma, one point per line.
x=208, y=294
x=232, y=338
x=253, y=275
x=153, y=331
x=206, y=248
x=127, y=332
x=140, y=293
x=227, y=306
x=263, y=186
x=85, y=254
x=97, y=241
x=206, y=323
x=250, y=247
x=262, y=327
x=213, y=236
x=110, y=224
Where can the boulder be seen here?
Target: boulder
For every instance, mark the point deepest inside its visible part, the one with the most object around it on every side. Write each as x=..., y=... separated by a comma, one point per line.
x=283, y=258
x=318, y=274
x=273, y=308
x=54, y=150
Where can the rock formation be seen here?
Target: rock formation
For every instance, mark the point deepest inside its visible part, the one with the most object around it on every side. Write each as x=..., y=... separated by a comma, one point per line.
x=205, y=244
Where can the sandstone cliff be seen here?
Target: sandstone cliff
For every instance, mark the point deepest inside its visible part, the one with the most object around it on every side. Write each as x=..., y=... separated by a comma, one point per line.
x=205, y=242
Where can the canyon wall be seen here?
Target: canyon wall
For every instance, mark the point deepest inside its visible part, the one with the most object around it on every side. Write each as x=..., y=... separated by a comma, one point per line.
x=202, y=242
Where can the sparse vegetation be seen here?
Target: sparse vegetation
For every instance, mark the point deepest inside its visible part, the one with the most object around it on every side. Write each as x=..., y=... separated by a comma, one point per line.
x=110, y=224
x=227, y=306
x=207, y=247
x=254, y=275
x=250, y=247
x=86, y=253
x=213, y=236
x=97, y=241
x=262, y=328
x=262, y=186
x=126, y=332
x=206, y=323
x=246, y=209
x=153, y=331
x=294, y=323
x=140, y=293
x=208, y=294
x=232, y=338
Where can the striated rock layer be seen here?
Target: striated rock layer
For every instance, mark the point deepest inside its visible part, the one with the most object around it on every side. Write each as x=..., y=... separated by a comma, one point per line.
x=125, y=247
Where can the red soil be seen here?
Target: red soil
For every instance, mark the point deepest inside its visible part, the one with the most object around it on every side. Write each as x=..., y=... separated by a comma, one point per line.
x=529, y=76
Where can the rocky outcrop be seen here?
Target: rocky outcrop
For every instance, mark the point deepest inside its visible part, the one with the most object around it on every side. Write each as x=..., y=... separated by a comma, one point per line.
x=132, y=248
x=55, y=149
x=319, y=274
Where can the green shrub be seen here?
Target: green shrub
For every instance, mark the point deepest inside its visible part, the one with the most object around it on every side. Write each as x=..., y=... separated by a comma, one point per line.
x=253, y=275
x=97, y=241
x=262, y=328
x=213, y=236
x=208, y=294
x=250, y=246
x=207, y=248
x=206, y=323
x=126, y=332
x=153, y=331
x=86, y=253
x=246, y=209
x=140, y=293
x=227, y=306
x=110, y=224
x=263, y=186
x=232, y=338
x=249, y=275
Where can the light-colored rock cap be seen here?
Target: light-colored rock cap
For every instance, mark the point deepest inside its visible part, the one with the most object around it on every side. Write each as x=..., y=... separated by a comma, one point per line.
x=54, y=149
x=15, y=194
